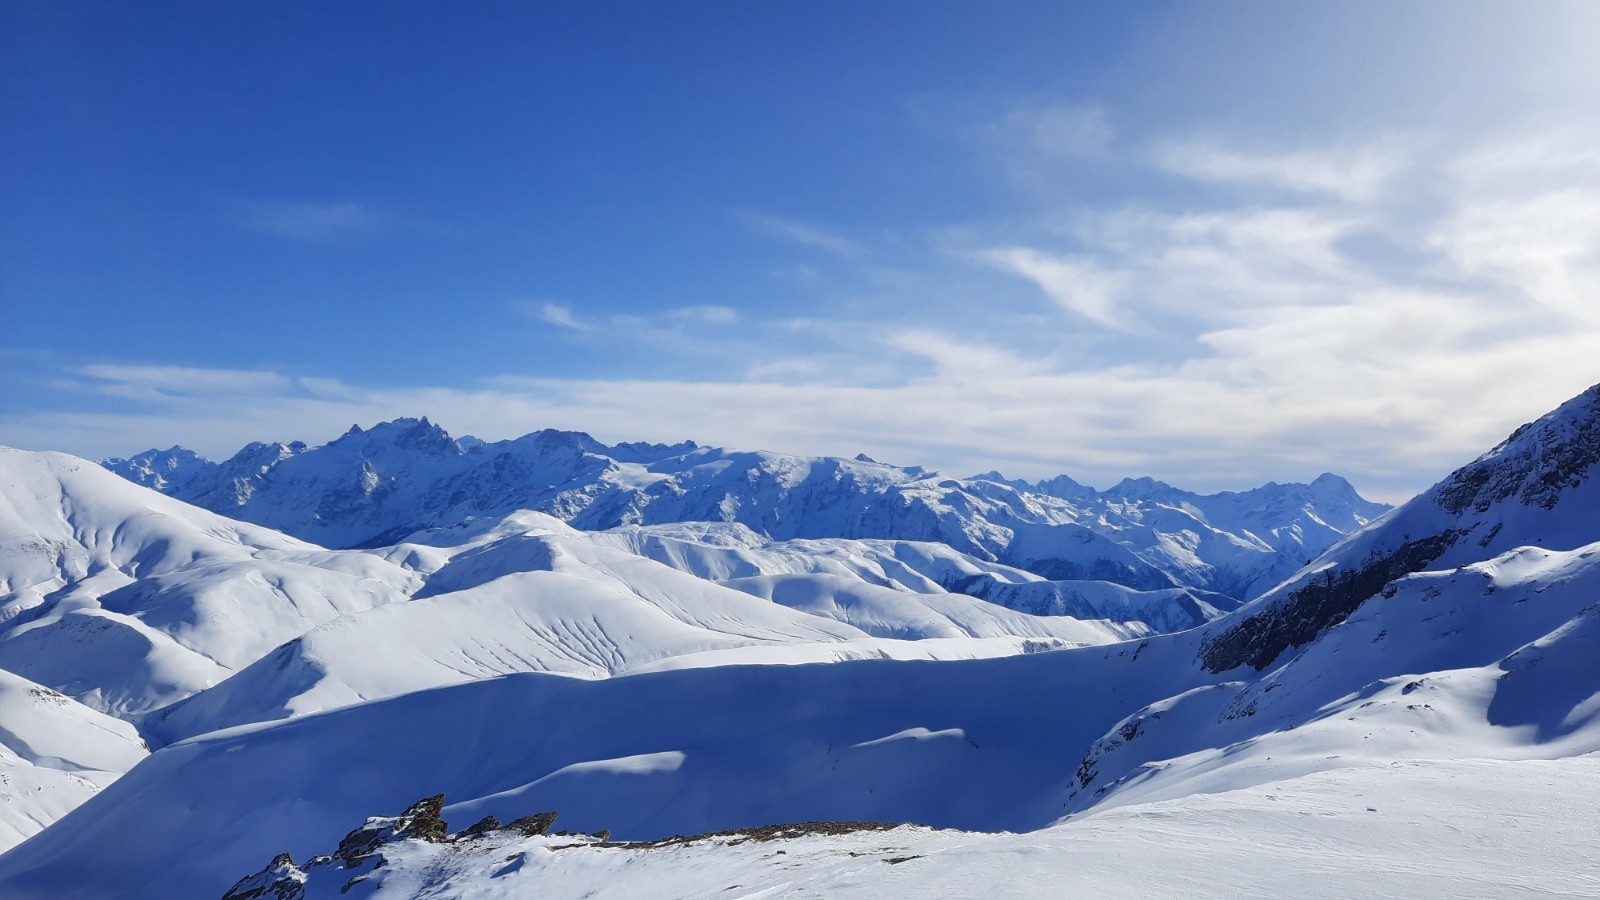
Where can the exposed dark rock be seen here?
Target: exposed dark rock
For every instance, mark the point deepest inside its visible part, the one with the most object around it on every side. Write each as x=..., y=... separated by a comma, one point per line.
x=1316, y=606
x=534, y=825
x=420, y=821
x=482, y=826
x=280, y=880
x=1559, y=454
x=763, y=833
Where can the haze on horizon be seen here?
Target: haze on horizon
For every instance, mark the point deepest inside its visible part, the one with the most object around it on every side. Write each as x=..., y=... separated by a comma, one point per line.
x=1215, y=244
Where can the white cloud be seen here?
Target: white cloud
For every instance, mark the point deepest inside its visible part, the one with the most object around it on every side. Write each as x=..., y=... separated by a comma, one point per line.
x=705, y=315
x=1357, y=172
x=313, y=222
x=799, y=232
x=1326, y=328
x=1076, y=283
x=553, y=313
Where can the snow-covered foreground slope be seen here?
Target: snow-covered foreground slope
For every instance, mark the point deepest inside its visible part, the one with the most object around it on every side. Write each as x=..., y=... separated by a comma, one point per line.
x=375, y=486
x=54, y=754
x=1456, y=829
x=1464, y=626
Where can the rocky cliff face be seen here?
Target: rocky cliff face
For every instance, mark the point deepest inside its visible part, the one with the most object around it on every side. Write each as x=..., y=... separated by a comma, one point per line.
x=1535, y=489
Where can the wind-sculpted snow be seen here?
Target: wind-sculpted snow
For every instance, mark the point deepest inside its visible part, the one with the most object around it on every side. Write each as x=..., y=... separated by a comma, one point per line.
x=531, y=594
x=128, y=600
x=54, y=754
x=736, y=556
x=1444, y=631
x=374, y=487
x=133, y=603
x=1493, y=661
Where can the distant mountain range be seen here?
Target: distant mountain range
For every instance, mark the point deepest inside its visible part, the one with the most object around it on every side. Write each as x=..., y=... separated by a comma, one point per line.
x=376, y=486
x=685, y=677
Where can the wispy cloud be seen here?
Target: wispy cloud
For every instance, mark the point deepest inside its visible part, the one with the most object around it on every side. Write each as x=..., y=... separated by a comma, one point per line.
x=553, y=313
x=1076, y=283
x=312, y=222
x=1356, y=172
x=673, y=321
x=1033, y=143
x=1314, y=324
x=799, y=232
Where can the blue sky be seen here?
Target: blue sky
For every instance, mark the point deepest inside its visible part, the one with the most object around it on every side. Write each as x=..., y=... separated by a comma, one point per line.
x=1214, y=243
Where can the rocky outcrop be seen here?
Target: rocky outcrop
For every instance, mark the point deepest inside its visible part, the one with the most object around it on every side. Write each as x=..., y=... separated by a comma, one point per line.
x=282, y=879
x=1323, y=602
x=419, y=822
x=1536, y=464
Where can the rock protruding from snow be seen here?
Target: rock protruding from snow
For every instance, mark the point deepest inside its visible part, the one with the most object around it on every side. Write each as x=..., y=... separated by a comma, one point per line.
x=1537, y=464
x=280, y=880
x=1535, y=488
x=421, y=821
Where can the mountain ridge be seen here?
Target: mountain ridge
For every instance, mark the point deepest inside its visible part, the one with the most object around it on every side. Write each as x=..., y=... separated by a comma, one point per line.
x=375, y=486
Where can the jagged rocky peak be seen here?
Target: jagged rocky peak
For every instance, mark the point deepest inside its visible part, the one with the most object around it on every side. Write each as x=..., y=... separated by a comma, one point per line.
x=646, y=452
x=163, y=470
x=1536, y=464
x=1060, y=486
x=378, y=485
x=418, y=435
x=260, y=456
x=1142, y=488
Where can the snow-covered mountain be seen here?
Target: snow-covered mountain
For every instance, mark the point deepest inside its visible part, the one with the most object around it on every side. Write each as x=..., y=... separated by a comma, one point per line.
x=373, y=487
x=1462, y=626
x=54, y=754
x=133, y=602
x=127, y=600
x=531, y=594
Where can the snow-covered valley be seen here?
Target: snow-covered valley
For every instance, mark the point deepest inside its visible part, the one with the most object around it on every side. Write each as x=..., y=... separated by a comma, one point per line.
x=1142, y=688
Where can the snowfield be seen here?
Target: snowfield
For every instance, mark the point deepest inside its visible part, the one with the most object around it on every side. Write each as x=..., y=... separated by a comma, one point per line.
x=1414, y=712
x=1460, y=829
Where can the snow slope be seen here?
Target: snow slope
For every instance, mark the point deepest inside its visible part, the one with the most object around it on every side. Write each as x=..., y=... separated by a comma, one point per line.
x=373, y=487
x=531, y=594
x=733, y=555
x=1456, y=829
x=133, y=602
x=1463, y=626
x=54, y=754
x=127, y=600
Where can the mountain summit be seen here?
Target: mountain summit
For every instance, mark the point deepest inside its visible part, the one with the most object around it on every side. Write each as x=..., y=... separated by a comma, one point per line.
x=375, y=486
